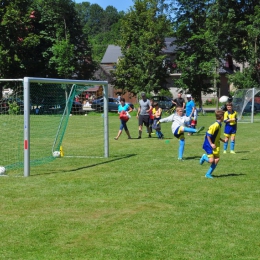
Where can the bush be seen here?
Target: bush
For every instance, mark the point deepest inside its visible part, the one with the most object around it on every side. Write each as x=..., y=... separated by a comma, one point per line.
x=209, y=102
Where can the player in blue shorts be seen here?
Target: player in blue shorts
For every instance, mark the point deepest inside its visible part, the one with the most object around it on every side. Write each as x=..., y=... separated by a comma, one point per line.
x=212, y=144
x=230, y=119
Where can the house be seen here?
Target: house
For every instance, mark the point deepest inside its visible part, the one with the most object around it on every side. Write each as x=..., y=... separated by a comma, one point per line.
x=113, y=54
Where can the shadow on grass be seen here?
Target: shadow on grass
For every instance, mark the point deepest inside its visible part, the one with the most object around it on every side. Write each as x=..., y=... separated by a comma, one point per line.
x=90, y=166
x=193, y=158
x=228, y=175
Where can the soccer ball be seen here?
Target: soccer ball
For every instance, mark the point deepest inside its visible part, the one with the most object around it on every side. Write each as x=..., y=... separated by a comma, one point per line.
x=223, y=99
x=2, y=170
x=56, y=154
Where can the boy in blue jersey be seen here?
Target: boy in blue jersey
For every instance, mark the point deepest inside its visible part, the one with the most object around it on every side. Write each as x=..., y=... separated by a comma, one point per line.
x=230, y=119
x=212, y=143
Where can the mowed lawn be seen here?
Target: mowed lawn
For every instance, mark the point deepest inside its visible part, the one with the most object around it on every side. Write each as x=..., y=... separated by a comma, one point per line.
x=140, y=203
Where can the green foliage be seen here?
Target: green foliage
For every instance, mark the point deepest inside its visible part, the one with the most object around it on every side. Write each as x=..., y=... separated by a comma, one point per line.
x=34, y=31
x=142, y=41
x=245, y=79
x=140, y=203
x=62, y=58
x=165, y=92
x=14, y=108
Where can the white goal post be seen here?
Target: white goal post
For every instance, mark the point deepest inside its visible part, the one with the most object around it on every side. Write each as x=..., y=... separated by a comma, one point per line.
x=27, y=81
x=37, y=112
x=244, y=102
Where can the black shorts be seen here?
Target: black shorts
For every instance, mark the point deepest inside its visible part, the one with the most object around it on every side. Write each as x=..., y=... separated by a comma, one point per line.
x=144, y=119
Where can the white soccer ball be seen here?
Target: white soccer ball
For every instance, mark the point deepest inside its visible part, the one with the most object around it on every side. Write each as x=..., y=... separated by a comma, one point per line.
x=223, y=99
x=2, y=170
x=56, y=154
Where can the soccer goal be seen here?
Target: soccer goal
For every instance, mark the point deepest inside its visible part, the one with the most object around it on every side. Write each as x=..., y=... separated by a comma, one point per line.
x=247, y=104
x=43, y=119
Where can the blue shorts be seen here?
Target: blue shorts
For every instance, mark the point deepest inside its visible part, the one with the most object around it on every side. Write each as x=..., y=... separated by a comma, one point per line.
x=230, y=130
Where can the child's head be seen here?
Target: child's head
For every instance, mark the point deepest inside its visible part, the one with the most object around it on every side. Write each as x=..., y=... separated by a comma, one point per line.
x=229, y=106
x=155, y=104
x=219, y=115
x=179, y=110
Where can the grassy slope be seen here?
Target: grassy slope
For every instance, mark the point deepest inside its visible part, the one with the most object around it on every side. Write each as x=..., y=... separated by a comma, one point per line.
x=140, y=203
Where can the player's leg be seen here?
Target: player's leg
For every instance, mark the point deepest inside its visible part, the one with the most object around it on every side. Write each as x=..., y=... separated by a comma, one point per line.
x=146, y=123
x=204, y=158
x=120, y=129
x=181, y=148
x=226, y=142
x=192, y=130
x=232, y=143
x=140, y=128
x=213, y=163
x=127, y=131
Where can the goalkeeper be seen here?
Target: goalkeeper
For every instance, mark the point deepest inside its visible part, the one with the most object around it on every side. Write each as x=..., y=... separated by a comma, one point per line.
x=178, y=128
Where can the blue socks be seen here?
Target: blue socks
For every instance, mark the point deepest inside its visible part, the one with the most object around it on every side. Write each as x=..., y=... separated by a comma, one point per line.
x=225, y=146
x=232, y=145
x=181, y=148
x=190, y=130
x=210, y=171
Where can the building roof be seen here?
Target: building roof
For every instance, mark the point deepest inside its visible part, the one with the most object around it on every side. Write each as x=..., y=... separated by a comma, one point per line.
x=170, y=48
x=113, y=52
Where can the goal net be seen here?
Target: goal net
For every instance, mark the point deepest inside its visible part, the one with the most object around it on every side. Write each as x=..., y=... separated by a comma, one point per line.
x=247, y=104
x=42, y=116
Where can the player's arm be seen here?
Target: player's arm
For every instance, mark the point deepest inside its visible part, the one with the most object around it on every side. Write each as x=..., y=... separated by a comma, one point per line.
x=160, y=112
x=222, y=140
x=210, y=142
x=138, y=111
x=150, y=109
x=167, y=119
x=173, y=101
x=129, y=109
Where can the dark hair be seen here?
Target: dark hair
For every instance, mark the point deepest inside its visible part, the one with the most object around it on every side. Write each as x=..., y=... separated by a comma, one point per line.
x=155, y=104
x=122, y=99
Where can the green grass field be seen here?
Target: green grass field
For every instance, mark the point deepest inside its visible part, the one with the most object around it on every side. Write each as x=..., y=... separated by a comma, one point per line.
x=140, y=203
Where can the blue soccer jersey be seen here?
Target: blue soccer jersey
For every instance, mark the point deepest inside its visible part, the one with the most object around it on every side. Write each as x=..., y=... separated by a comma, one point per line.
x=214, y=134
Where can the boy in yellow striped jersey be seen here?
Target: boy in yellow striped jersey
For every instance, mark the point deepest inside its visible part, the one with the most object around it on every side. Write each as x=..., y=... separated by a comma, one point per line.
x=230, y=119
x=211, y=144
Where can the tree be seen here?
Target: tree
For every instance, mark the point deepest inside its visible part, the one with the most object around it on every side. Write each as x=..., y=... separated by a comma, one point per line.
x=17, y=38
x=38, y=35
x=204, y=34
x=143, y=31
x=63, y=39
x=101, y=26
x=248, y=51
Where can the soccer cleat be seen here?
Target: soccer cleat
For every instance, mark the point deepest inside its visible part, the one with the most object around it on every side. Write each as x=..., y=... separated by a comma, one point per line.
x=232, y=151
x=200, y=129
x=180, y=159
x=139, y=137
x=224, y=151
x=202, y=159
x=209, y=176
x=115, y=138
x=149, y=136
